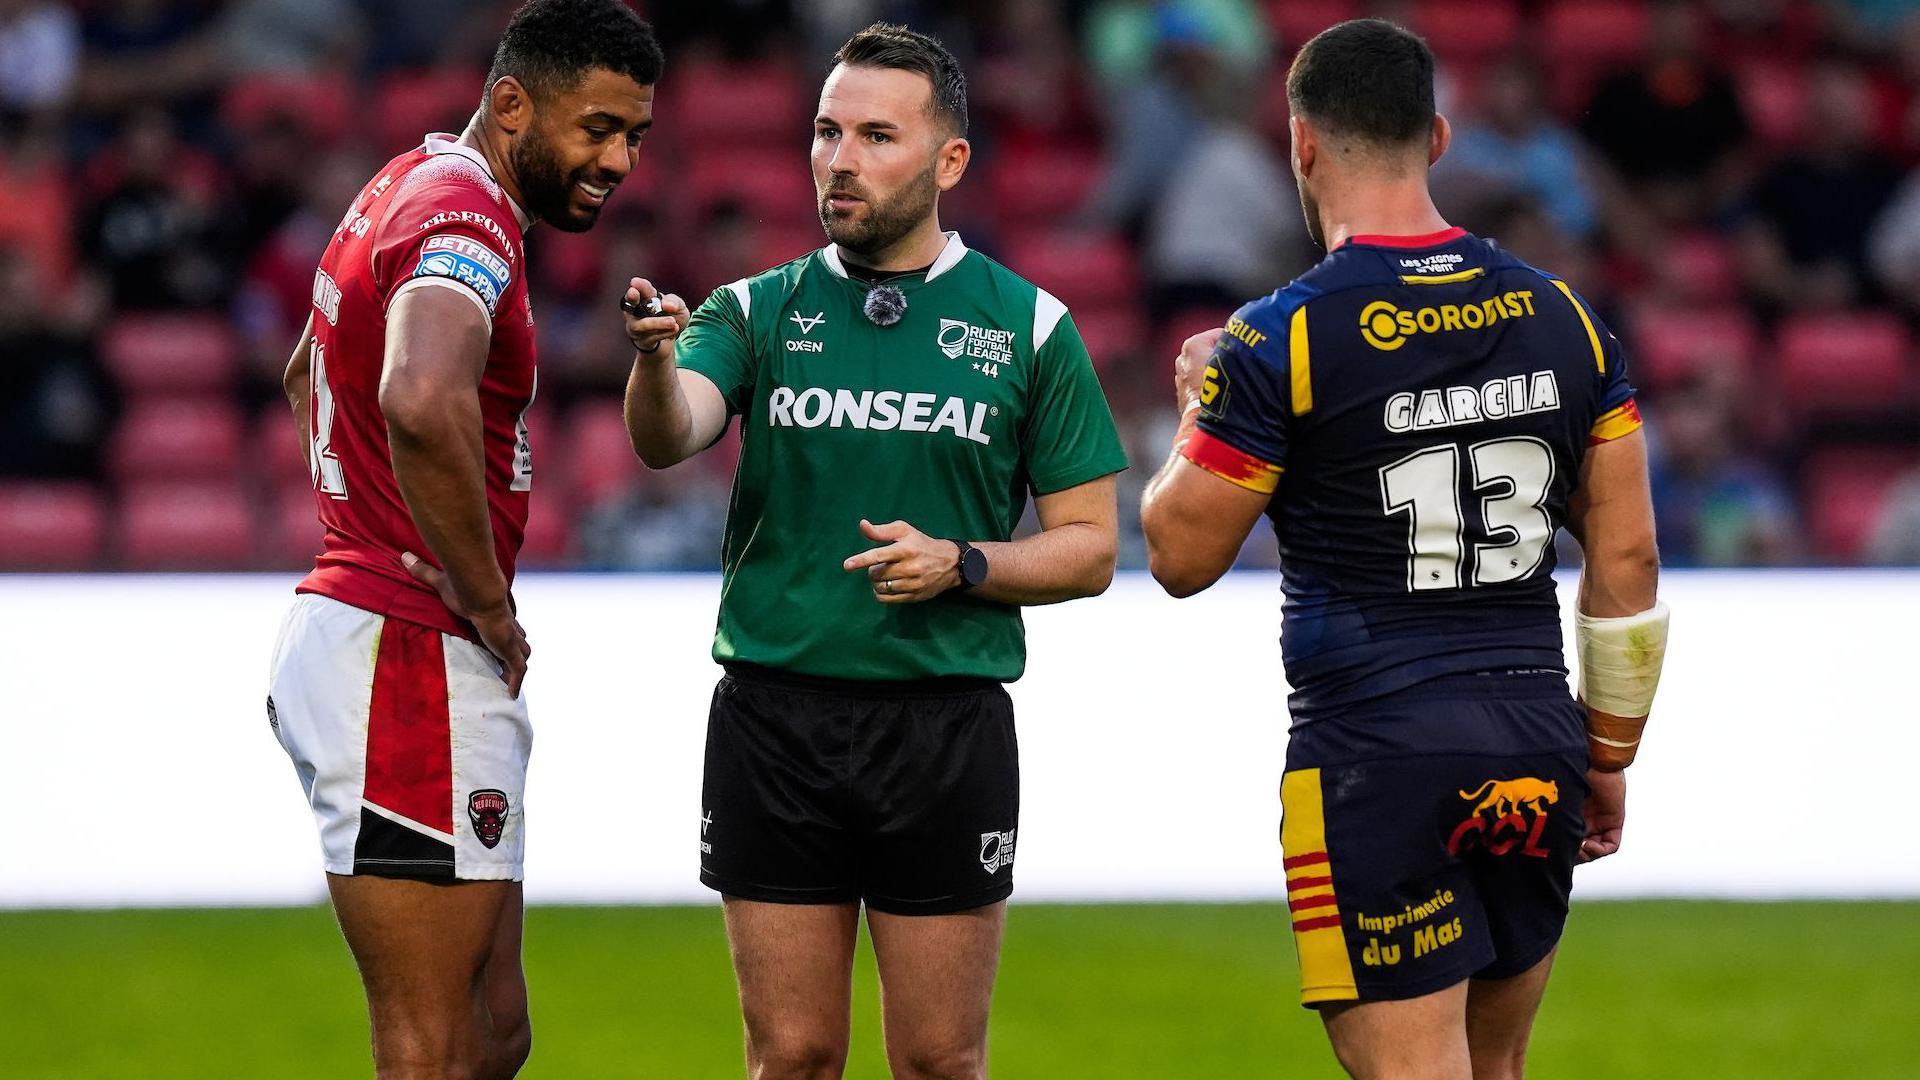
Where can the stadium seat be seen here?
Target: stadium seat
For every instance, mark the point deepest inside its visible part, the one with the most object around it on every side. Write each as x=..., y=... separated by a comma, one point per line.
x=1855, y=364
x=1668, y=345
x=1085, y=270
x=1700, y=268
x=549, y=538
x=51, y=526
x=324, y=106
x=290, y=530
x=178, y=439
x=785, y=242
x=414, y=103
x=1594, y=33
x=1113, y=335
x=183, y=525
x=762, y=105
x=1296, y=21
x=773, y=186
x=171, y=354
x=600, y=457
x=274, y=449
x=1185, y=323
x=1039, y=188
x=1844, y=491
x=1468, y=31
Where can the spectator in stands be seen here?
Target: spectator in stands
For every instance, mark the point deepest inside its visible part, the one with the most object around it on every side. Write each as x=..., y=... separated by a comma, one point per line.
x=1125, y=38
x=151, y=223
x=36, y=196
x=1514, y=141
x=1717, y=503
x=1152, y=119
x=1228, y=226
x=1805, y=244
x=1029, y=90
x=1895, y=539
x=56, y=402
x=289, y=37
x=672, y=520
x=1894, y=244
x=39, y=54
x=1672, y=127
x=143, y=54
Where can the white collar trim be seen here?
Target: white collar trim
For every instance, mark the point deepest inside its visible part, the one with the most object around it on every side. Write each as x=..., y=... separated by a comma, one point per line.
x=440, y=142
x=950, y=257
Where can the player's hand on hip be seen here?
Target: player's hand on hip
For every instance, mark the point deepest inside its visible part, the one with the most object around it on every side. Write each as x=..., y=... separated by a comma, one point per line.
x=1606, y=814
x=500, y=632
x=1190, y=367
x=909, y=567
x=648, y=330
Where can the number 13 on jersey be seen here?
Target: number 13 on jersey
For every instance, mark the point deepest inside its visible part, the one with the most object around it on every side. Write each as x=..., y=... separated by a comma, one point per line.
x=1512, y=478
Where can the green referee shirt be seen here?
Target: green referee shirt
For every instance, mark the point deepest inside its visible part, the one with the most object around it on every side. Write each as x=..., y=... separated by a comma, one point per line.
x=981, y=393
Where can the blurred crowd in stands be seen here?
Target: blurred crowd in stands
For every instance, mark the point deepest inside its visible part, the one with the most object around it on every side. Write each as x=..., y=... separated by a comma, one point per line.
x=1734, y=183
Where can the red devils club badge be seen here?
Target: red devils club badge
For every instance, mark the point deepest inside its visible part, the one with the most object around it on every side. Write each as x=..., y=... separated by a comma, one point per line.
x=487, y=809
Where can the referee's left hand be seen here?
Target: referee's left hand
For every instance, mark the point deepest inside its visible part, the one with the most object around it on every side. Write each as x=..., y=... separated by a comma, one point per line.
x=909, y=567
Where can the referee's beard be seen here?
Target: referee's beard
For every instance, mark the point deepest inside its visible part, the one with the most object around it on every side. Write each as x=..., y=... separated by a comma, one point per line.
x=875, y=225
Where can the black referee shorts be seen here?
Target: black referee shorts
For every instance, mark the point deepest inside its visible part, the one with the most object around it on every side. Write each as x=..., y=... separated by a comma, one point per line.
x=824, y=791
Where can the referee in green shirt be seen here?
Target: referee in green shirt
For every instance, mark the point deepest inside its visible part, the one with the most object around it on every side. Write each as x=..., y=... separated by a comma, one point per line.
x=899, y=397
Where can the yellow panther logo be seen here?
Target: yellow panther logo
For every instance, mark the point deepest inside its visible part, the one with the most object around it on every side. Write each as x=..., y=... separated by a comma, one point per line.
x=1505, y=797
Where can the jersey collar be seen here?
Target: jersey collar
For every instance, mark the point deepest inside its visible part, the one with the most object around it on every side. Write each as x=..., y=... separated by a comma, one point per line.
x=440, y=142
x=950, y=257
x=1444, y=236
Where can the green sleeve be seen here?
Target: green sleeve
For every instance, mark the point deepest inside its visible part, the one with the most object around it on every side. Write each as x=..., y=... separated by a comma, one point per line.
x=1069, y=437
x=717, y=343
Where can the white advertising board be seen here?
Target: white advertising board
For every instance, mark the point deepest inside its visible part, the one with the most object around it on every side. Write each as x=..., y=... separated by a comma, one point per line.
x=136, y=766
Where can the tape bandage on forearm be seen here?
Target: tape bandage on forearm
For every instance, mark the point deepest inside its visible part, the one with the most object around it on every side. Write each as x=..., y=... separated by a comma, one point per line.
x=1620, y=660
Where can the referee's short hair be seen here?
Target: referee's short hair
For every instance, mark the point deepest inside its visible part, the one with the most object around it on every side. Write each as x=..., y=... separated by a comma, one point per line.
x=886, y=45
x=551, y=45
x=1366, y=79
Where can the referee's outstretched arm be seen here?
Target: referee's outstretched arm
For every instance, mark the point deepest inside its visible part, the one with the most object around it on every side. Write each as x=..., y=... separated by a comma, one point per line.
x=672, y=414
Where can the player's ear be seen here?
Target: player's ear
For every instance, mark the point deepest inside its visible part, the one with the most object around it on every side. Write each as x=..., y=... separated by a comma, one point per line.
x=1441, y=138
x=951, y=162
x=510, y=105
x=1306, y=145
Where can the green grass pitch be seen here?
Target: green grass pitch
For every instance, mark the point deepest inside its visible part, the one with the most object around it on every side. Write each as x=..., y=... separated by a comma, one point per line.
x=1643, y=989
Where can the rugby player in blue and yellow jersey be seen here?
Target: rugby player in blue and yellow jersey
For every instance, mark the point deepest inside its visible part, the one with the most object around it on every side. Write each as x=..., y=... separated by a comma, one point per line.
x=1418, y=415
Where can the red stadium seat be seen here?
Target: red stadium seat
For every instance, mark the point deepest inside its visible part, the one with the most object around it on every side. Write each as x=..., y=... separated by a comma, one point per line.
x=51, y=526
x=1844, y=491
x=171, y=354
x=759, y=105
x=323, y=106
x=1468, y=30
x=1668, y=345
x=549, y=539
x=1700, y=268
x=786, y=242
x=1294, y=22
x=1175, y=331
x=1595, y=33
x=1855, y=364
x=1112, y=334
x=290, y=529
x=175, y=525
x=274, y=449
x=1041, y=187
x=1085, y=270
x=411, y=104
x=772, y=186
x=600, y=457
x=178, y=439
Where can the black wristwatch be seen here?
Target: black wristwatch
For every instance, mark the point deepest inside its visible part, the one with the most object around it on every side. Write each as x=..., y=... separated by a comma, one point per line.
x=973, y=564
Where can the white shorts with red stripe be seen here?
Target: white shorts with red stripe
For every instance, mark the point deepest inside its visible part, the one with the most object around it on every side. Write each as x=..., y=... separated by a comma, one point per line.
x=412, y=754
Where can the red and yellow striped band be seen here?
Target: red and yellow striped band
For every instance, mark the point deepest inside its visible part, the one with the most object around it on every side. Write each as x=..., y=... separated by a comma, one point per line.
x=1326, y=968
x=1231, y=464
x=1624, y=420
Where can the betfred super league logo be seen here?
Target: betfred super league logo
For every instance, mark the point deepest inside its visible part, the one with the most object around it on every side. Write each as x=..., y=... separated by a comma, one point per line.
x=487, y=809
x=1506, y=814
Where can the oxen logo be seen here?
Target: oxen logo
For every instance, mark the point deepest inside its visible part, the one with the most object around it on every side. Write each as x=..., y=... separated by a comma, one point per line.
x=1506, y=814
x=487, y=809
x=996, y=849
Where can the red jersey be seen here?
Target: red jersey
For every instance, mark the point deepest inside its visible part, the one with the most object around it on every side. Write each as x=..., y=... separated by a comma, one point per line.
x=434, y=217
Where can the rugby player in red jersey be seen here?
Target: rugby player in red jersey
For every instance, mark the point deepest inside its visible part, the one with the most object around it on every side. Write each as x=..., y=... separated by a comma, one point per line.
x=396, y=680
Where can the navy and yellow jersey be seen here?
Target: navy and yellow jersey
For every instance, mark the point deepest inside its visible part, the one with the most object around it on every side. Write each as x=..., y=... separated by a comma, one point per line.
x=1418, y=407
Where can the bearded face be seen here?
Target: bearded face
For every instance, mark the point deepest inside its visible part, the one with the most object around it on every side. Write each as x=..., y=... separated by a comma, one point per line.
x=864, y=222
x=553, y=192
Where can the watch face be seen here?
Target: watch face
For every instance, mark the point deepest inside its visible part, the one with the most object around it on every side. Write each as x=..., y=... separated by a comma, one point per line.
x=973, y=566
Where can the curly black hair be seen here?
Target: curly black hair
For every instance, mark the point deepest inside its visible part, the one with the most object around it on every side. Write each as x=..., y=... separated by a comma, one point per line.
x=551, y=45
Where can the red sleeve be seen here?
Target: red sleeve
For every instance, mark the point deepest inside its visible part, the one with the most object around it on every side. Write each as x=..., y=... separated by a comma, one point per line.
x=446, y=223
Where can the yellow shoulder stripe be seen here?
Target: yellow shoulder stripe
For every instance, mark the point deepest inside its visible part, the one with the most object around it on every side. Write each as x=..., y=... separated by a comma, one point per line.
x=1442, y=279
x=1593, y=336
x=1300, y=363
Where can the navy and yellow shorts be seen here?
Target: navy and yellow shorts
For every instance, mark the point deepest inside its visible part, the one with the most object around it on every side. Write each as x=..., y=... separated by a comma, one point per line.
x=1408, y=874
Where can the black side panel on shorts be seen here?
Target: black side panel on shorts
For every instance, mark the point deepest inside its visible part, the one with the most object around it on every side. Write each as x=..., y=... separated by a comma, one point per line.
x=389, y=849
